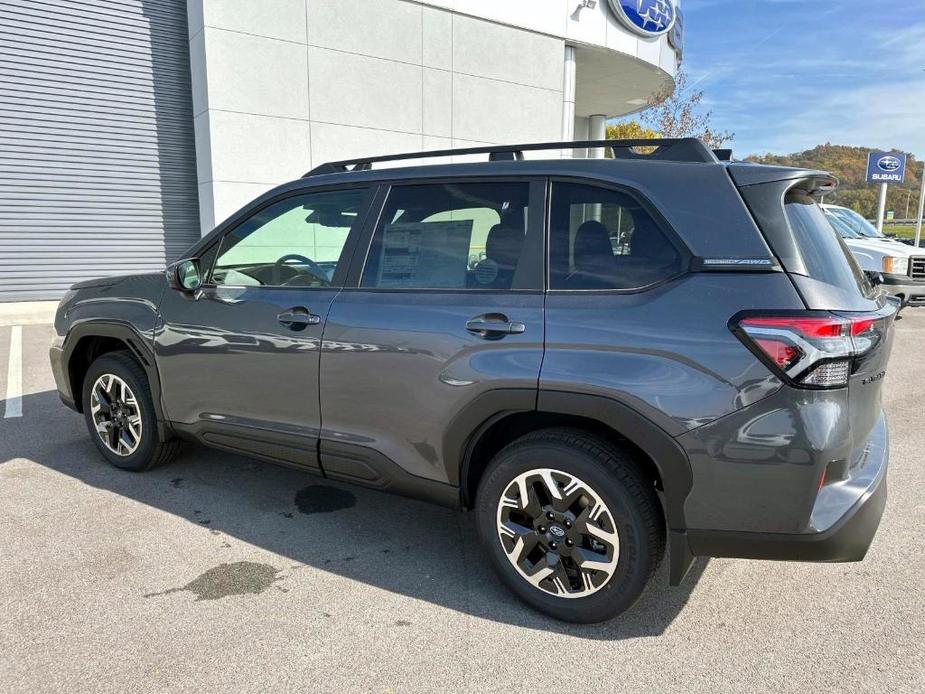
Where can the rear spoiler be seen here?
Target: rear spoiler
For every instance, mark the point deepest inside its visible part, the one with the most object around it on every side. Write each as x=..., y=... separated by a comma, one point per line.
x=811, y=180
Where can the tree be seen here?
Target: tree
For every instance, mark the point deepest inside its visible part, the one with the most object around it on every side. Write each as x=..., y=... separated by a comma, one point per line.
x=629, y=130
x=675, y=111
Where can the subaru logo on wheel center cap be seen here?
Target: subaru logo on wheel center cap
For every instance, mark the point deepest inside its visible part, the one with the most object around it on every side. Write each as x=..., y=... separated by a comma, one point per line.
x=648, y=18
x=888, y=163
x=557, y=530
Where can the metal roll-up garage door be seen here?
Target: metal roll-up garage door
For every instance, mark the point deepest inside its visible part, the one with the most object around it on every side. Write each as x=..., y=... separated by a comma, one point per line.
x=97, y=156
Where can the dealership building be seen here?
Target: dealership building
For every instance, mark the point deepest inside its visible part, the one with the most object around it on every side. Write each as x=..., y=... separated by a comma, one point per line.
x=130, y=127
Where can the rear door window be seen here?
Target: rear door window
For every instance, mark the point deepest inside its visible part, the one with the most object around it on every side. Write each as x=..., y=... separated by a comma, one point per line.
x=825, y=255
x=450, y=236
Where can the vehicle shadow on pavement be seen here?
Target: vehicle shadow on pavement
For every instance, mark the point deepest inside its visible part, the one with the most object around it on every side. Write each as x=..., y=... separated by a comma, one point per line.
x=408, y=547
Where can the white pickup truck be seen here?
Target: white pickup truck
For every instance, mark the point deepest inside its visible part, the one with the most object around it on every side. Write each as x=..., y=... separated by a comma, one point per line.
x=901, y=267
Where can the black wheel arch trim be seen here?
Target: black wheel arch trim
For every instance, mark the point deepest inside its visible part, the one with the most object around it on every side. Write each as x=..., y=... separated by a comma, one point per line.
x=138, y=345
x=466, y=429
x=470, y=424
x=665, y=452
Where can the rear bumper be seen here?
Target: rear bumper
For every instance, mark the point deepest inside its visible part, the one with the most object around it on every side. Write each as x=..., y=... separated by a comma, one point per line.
x=848, y=513
x=848, y=540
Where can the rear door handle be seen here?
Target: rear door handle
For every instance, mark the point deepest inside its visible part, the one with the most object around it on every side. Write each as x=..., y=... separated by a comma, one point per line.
x=298, y=316
x=494, y=327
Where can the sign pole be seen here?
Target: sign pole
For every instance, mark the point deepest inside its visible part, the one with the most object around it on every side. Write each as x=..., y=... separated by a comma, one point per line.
x=918, y=217
x=881, y=207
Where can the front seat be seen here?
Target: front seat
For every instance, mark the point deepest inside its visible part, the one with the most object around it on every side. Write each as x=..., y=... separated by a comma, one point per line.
x=502, y=251
x=592, y=257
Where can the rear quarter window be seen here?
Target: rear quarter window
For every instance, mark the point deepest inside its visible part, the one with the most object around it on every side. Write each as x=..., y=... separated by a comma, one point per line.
x=825, y=255
x=602, y=239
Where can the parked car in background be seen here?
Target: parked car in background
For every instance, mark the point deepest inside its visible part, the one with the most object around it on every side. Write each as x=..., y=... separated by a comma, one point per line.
x=861, y=225
x=900, y=268
x=656, y=350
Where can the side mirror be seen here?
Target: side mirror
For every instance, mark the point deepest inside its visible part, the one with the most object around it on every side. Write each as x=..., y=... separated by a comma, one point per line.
x=185, y=275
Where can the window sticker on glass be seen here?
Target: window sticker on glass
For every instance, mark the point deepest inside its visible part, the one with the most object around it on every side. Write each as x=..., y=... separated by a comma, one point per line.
x=429, y=255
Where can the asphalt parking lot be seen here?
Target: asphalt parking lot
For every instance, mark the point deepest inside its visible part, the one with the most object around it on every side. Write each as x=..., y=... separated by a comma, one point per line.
x=218, y=573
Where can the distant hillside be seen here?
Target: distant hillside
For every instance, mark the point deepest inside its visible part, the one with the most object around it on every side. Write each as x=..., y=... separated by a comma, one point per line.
x=850, y=165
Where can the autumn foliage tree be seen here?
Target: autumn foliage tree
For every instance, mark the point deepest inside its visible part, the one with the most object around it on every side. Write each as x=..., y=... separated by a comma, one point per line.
x=675, y=111
x=629, y=130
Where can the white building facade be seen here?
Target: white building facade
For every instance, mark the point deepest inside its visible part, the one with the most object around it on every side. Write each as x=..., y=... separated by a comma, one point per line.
x=276, y=93
x=128, y=128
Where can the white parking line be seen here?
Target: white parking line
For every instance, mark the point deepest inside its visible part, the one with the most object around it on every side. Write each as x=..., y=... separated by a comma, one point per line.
x=14, y=375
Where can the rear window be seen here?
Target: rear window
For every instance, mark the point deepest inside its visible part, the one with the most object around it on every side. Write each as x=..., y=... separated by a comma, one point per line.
x=825, y=255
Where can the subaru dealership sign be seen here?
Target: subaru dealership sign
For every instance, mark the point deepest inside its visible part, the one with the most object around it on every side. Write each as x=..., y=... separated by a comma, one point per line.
x=648, y=18
x=886, y=167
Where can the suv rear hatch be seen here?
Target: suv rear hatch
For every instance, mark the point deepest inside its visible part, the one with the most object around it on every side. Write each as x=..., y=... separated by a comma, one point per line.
x=833, y=287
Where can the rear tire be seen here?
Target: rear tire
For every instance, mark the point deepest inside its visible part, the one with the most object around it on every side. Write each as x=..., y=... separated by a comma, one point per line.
x=120, y=416
x=608, y=520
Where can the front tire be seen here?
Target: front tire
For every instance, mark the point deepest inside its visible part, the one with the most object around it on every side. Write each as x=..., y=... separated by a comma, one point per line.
x=119, y=413
x=570, y=523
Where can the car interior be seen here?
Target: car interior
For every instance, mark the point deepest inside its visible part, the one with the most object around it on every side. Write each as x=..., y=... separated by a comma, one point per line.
x=605, y=240
x=287, y=245
x=451, y=237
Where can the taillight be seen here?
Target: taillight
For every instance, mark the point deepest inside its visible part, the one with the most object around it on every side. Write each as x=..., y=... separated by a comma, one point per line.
x=810, y=350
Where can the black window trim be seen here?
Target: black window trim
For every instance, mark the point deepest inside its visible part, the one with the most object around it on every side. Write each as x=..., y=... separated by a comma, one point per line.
x=535, y=236
x=216, y=238
x=660, y=221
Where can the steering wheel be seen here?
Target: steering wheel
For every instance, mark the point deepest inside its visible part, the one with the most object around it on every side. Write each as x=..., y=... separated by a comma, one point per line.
x=314, y=268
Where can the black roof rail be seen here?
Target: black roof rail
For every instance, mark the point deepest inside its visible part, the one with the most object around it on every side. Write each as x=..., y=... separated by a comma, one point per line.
x=685, y=149
x=723, y=154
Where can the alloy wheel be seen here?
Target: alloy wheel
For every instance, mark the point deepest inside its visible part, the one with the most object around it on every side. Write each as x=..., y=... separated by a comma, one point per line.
x=116, y=414
x=558, y=533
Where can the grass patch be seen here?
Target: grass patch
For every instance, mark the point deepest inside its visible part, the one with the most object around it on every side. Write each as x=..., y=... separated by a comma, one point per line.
x=903, y=231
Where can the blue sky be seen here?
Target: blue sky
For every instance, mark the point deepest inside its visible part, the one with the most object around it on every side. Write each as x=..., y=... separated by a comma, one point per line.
x=786, y=75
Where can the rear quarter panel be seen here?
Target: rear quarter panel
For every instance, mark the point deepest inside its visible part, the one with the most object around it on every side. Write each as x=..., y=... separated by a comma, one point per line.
x=667, y=352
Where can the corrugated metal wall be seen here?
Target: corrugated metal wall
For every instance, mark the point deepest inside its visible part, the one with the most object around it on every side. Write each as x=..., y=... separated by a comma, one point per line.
x=97, y=156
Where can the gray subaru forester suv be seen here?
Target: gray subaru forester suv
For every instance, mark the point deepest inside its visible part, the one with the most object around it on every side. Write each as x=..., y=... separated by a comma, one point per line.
x=598, y=357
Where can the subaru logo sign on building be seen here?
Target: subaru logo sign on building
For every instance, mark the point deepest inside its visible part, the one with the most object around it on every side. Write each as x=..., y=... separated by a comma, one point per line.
x=886, y=167
x=648, y=18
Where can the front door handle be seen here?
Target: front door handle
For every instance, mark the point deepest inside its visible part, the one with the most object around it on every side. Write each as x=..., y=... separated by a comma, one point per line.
x=494, y=326
x=298, y=317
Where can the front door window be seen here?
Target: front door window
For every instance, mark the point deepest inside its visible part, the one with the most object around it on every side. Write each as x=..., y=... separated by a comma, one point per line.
x=296, y=242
